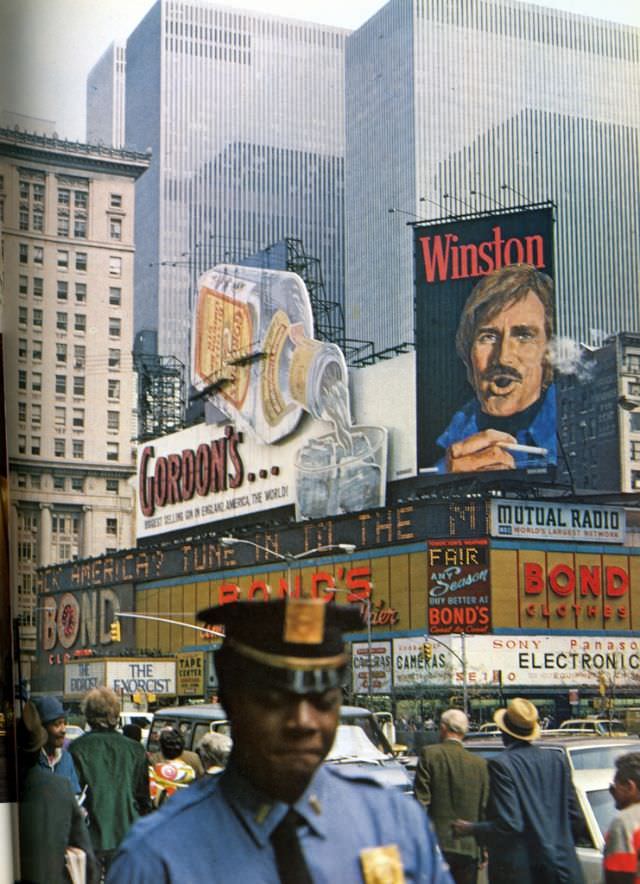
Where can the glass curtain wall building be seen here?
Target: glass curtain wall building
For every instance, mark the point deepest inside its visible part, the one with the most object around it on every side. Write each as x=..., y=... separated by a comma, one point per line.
x=455, y=107
x=244, y=114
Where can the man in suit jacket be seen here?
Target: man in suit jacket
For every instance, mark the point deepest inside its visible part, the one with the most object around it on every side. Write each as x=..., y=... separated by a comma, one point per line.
x=452, y=783
x=532, y=807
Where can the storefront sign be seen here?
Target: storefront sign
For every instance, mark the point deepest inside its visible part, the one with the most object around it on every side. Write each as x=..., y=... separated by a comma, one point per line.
x=148, y=676
x=413, y=668
x=557, y=521
x=459, y=586
x=371, y=660
x=190, y=674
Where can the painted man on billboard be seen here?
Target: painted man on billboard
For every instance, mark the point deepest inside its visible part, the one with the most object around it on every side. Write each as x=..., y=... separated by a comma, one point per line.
x=503, y=339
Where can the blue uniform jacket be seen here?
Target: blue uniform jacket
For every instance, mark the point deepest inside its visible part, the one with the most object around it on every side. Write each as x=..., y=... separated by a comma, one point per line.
x=218, y=830
x=540, y=432
x=63, y=766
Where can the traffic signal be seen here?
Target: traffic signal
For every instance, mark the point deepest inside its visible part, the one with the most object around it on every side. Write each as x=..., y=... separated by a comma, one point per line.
x=427, y=651
x=115, y=631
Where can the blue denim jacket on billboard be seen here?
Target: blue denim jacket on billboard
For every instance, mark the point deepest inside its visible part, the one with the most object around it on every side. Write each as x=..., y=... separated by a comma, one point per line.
x=541, y=431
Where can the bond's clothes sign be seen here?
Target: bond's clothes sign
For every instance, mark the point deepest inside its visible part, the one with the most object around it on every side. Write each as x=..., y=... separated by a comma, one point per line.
x=557, y=521
x=371, y=662
x=459, y=586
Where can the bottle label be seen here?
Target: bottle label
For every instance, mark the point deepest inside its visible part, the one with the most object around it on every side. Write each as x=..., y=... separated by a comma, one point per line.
x=303, y=356
x=224, y=332
x=273, y=403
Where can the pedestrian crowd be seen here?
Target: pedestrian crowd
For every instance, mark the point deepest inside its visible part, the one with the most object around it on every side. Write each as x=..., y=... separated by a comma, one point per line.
x=261, y=807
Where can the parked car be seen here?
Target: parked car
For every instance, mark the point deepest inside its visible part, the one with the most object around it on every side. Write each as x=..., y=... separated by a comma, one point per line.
x=583, y=751
x=360, y=744
x=601, y=726
x=142, y=719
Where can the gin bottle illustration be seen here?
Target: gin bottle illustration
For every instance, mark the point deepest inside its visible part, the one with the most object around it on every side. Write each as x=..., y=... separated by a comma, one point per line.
x=254, y=354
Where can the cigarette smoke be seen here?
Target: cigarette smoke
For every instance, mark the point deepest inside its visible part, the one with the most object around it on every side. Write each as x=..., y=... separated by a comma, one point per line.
x=569, y=357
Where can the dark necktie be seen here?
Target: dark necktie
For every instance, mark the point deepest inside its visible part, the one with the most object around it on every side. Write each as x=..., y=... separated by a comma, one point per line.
x=292, y=866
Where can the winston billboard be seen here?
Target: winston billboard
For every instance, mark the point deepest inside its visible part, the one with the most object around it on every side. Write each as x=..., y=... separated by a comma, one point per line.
x=485, y=312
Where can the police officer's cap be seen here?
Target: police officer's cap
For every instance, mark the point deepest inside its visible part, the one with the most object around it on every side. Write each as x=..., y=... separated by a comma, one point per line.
x=294, y=644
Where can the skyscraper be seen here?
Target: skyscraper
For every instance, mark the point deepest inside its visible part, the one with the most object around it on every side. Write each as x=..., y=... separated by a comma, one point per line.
x=244, y=114
x=455, y=107
x=105, y=98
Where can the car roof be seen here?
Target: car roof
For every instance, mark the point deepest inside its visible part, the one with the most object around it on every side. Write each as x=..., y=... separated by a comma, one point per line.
x=214, y=710
x=557, y=738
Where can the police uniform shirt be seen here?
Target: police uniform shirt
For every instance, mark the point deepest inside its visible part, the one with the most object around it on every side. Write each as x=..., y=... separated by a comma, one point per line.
x=219, y=829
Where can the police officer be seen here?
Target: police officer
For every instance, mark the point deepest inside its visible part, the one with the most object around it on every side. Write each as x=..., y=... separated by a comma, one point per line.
x=276, y=814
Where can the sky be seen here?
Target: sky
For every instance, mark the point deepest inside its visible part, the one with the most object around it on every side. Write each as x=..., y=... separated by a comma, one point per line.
x=47, y=47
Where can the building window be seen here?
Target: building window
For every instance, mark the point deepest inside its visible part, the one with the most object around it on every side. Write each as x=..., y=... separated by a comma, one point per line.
x=115, y=228
x=38, y=286
x=115, y=326
x=58, y=483
x=634, y=422
x=113, y=420
x=63, y=289
x=113, y=390
x=22, y=348
x=64, y=196
x=22, y=412
x=80, y=323
x=78, y=418
x=37, y=220
x=60, y=414
x=61, y=384
x=22, y=444
x=77, y=448
x=37, y=317
x=63, y=259
x=63, y=225
x=81, y=292
x=632, y=362
x=113, y=486
x=635, y=450
x=80, y=228
x=80, y=199
x=36, y=414
x=23, y=219
x=58, y=447
x=22, y=480
x=115, y=201
x=23, y=285
x=38, y=255
x=111, y=526
x=78, y=385
x=38, y=193
x=61, y=352
x=36, y=351
x=113, y=450
x=35, y=480
x=23, y=315
x=115, y=296
x=114, y=360
x=22, y=379
x=115, y=266
x=35, y=445
x=81, y=261
x=23, y=251
x=79, y=355
x=77, y=483
x=61, y=321
x=36, y=381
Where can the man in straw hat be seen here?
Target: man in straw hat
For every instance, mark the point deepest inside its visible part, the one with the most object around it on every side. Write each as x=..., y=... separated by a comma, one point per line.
x=276, y=813
x=532, y=807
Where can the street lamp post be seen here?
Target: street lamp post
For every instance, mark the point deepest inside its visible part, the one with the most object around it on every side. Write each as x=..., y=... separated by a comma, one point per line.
x=462, y=659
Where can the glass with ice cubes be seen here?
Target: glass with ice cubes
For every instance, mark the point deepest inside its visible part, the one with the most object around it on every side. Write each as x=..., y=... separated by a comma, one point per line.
x=347, y=476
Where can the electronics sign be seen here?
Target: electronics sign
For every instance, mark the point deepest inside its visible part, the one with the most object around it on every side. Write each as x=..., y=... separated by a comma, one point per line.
x=486, y=398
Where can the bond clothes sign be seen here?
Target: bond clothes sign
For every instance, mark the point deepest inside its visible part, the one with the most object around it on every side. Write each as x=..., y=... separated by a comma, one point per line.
x=557, y=521
x=374, y=660
x=459, y=586
x=500, y=378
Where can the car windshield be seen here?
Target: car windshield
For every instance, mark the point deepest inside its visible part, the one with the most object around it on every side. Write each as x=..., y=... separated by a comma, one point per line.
x=351, y=742
x=603, y=808
x=372, y=729
x=598, y=757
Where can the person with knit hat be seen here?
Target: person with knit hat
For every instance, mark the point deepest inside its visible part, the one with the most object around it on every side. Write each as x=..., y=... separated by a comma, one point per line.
x=49, y=816
x=532, y=813
x=276, y=813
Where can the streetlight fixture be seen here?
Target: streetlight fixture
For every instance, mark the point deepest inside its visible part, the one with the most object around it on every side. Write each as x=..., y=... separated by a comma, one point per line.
x=395, y=210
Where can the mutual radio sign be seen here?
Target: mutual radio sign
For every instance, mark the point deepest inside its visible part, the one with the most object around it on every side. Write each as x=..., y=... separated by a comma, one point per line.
x=557, y=521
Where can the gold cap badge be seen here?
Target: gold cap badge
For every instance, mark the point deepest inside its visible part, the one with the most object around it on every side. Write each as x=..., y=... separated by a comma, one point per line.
x=304, y=621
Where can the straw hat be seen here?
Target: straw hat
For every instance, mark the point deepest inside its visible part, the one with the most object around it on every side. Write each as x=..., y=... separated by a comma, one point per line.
x=519, y=719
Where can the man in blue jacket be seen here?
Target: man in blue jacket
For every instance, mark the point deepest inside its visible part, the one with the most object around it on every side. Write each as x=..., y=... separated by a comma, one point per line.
x=276, y=813
x=53, y=755
x=532, y=810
